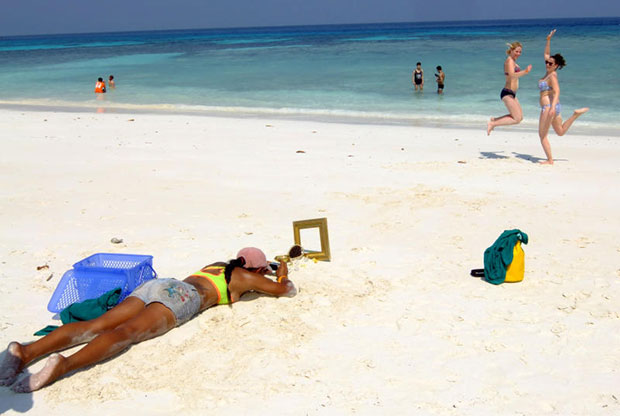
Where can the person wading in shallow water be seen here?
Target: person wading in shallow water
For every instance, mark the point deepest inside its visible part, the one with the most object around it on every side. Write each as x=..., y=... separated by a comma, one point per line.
x=440, y=77
x=418, y=77
x=100, y=86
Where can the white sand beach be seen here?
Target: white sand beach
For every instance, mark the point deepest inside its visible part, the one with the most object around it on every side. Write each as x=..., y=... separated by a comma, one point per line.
x=394, y=324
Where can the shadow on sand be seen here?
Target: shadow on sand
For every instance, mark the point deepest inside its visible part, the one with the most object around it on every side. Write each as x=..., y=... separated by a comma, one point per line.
x=523, y=156
x=534, y=159
x=492, y=155
x=529, y=158
x=17, y=402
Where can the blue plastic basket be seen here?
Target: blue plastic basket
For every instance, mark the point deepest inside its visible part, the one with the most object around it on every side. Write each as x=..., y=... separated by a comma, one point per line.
x=100, y=273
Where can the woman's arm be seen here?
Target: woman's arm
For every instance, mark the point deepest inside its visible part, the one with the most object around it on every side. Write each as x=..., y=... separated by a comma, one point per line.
x=524, y=72
x=548, y=45
x=509, y=69
x=249, y=281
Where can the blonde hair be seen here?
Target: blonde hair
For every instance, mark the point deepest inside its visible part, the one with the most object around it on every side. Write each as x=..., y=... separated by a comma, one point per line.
x=512, y=46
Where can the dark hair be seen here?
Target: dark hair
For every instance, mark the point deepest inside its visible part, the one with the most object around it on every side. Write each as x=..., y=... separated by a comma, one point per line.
x=232, y=264
x=111, y=77
x=438, y=67
x=295, y=251
x=419, y=63
x=559, y=60
x=100, y=79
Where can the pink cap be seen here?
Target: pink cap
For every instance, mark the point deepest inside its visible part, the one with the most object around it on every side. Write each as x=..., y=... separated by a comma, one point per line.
x=254, y=258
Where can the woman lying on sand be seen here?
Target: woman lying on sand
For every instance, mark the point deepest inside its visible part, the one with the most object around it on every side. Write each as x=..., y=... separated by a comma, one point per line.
x=151, y=310
x=509, y=92
x=550, y=101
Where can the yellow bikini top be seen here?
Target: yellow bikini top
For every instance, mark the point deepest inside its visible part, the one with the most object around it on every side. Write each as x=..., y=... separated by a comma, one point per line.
x=218, y=281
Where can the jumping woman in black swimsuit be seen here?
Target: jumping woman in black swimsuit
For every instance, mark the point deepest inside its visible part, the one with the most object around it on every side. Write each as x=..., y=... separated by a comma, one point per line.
x=509, y=92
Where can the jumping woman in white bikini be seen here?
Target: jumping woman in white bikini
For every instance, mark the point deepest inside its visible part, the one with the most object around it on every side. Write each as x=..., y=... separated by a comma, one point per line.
x=550, y=106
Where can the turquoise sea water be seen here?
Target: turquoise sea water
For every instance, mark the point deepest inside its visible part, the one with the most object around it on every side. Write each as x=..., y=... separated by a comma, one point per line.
x=340, y=73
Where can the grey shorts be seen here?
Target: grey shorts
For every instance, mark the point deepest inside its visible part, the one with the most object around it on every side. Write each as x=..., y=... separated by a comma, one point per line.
x=180, y=297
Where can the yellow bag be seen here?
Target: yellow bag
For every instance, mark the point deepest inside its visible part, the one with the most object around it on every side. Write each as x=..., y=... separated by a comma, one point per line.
x=516, y=270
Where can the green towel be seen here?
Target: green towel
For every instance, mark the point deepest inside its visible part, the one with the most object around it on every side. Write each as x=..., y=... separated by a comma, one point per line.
x=499, y=256
x=86, y=310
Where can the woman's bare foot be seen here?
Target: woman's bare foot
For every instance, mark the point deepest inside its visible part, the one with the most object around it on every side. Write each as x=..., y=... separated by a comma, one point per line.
x=546, y=162
x=581, y=111
x=490, y=126
x=48, y=374
x=12, y=364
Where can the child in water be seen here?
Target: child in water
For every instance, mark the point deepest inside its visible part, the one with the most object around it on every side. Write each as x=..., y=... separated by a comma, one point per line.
x=100, y=86
x=440, y=76
x=418, y=77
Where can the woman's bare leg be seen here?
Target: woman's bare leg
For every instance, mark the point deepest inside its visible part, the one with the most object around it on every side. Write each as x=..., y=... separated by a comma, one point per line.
x=515, y=116
x=544, y=123
x=154, y=320
x=561, y=128
x=18, y=356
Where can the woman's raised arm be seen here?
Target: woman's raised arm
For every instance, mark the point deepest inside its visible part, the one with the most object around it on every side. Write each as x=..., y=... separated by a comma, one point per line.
x=548, y=45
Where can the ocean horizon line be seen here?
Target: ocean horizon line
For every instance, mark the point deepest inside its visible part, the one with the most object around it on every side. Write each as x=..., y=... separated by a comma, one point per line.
x=241, y=29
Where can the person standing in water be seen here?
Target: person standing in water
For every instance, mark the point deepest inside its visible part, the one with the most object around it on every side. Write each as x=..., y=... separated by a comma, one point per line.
x=440, y=77
x=417, y=78
x=100, y=86
x=111, y=83
x=550, y=106
x=509, y=92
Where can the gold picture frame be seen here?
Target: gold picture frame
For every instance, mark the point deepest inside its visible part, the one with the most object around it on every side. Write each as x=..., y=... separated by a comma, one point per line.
x=321, y=224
